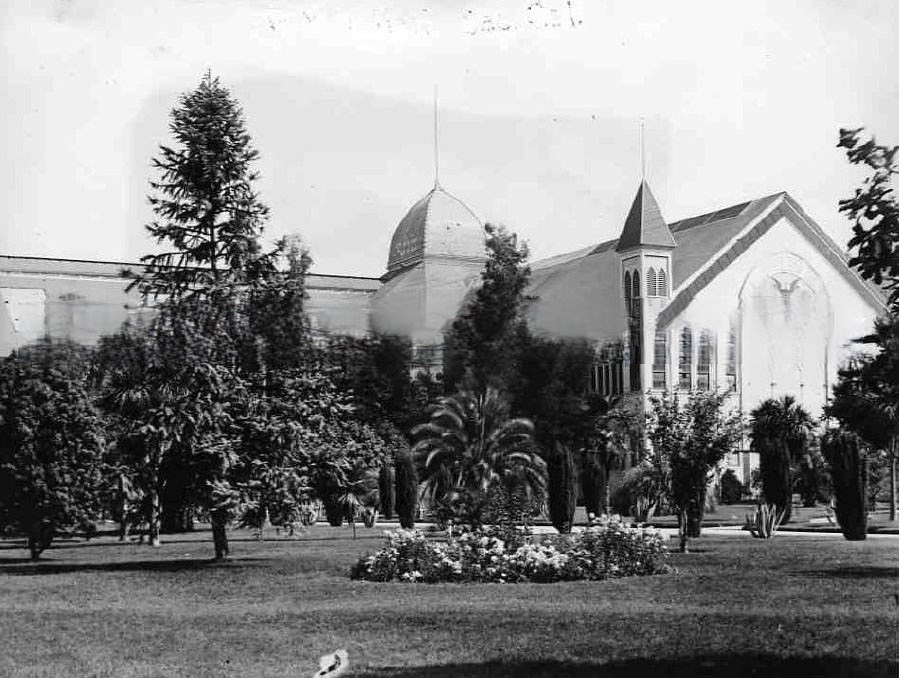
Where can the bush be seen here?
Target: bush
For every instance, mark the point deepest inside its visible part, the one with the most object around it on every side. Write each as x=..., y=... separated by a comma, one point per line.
x=731, y=487
x=607, y=549
x=848, y=467
x=562, y=488
x=406, y=490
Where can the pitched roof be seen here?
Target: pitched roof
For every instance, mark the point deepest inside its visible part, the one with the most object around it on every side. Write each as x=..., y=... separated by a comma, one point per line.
x=578, y=294
x=644, y=225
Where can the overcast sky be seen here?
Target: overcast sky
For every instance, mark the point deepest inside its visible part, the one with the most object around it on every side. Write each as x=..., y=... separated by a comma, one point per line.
x=540, y=109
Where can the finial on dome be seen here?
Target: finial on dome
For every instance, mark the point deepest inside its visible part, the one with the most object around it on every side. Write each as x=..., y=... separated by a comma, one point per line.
x=436, y=143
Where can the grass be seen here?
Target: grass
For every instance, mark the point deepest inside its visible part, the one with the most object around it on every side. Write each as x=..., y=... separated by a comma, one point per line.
x=804, y=604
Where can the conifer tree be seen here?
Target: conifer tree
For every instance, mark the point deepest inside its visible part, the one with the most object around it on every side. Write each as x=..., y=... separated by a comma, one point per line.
x=208, y=216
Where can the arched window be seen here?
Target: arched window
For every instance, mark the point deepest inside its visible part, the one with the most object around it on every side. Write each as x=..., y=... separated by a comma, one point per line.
x=636, y=285
x=627, y=284
x=659, y=359
x=662, y=283
x=685, y=360
x=651, y=283
x=704, y=362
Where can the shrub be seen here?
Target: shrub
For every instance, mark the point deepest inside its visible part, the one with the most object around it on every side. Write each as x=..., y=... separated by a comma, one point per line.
x=731, y=487
x=387, y=490
x=764, y=521
x=849, y=472
x=406, y=490
x=562, y=488
x=607, y=549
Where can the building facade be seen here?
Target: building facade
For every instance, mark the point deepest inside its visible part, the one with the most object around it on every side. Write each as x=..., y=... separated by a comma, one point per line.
x=754, y=299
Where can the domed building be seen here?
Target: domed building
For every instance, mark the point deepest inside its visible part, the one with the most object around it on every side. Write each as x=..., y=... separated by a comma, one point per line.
x=436, y=254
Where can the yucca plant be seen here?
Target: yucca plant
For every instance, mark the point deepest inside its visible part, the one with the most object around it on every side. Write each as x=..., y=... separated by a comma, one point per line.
x=764, y=521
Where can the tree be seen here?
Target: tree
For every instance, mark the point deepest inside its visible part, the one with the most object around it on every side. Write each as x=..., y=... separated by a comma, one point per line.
x=470, y=447
x=691, y=439
x=866, y=396
x=51, y=444
x=780, y=431
x=848, y=467
x=482, y=343
x=874, y=212
x=562, y=486
x=208, y=216
x=406, y=489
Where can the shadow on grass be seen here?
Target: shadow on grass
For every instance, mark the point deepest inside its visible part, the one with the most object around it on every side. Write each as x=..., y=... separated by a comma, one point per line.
x=856, y=572
x=697, y=667
x=24, y=566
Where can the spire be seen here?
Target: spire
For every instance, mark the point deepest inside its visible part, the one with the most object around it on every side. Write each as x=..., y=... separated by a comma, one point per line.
x=436, y=144
x=645, y=226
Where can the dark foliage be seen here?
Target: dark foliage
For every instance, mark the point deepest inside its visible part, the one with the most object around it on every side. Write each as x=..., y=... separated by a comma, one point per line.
x=848, y=468
x=562, y=476
x=731, y=487
x=406, y=489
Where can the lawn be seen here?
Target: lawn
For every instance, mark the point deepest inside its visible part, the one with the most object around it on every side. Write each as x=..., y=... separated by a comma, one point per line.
x=798, y=604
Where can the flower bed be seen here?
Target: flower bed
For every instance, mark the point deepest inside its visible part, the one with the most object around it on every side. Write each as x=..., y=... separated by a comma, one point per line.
x=606, y=549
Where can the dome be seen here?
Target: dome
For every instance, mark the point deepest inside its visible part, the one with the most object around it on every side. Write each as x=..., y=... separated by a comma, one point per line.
x=438, y=225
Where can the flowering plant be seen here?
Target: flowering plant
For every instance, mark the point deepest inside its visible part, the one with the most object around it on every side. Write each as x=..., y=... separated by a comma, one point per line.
x=608, y=548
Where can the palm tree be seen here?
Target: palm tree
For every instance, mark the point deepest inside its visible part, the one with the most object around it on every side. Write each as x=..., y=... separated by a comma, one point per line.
x=471, y=448
x=780, y=431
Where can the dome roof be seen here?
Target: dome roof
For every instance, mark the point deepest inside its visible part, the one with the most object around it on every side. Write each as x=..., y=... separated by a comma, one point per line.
x=438, y=225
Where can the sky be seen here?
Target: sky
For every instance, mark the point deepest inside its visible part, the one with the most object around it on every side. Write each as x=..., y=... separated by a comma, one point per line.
x=540, y=110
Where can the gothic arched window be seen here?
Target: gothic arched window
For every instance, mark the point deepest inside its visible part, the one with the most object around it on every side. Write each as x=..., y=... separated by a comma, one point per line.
x=662, y=283
x=659, y=359
x=636, y=285
x=685, y=360
x=651, y=283
x=704, y=362
x=627, y=284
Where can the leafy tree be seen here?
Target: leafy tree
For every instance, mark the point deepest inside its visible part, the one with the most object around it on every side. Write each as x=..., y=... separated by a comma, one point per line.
x=51, y=444
x=208, y=216
x=482, y=343
x=866, y=396
x=691, y=439
x=874, y=213
x=470, y=447
x=780, y=431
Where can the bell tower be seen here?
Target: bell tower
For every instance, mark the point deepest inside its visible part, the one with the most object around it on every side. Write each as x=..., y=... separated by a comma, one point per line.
x=644, y=249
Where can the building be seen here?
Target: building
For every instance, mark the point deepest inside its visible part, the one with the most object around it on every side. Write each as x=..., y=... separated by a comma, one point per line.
x=754, y=298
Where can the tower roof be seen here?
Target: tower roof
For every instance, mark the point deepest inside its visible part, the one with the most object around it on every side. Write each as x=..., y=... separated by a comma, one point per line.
x=437, y=225
x=645, y=226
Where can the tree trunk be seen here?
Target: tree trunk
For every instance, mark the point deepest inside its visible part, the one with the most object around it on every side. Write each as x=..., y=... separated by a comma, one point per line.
x=694, y=514
x=39, y=537
x=893, y=443
x=682, y=530
x=153, y=519
x=219, y=521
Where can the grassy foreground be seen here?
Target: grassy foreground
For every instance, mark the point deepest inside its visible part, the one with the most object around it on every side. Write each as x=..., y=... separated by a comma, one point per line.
x=800, y=605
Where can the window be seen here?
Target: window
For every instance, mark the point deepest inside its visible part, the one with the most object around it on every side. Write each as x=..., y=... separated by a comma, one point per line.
x=731, y=367
x=685, y=361
x=607, y=377
x=651, y=283
x=662, y=283
x=660, y=356
x=704, y=362
x=627, y=287
x=636, y=285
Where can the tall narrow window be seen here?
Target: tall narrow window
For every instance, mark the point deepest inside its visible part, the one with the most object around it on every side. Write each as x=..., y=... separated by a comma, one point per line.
x=662, y=283
x=651, y=283
x=636, y=285
x=731, y=367
x=685, y=360
x=659, y=360
x=704, y=362
x=627, y=289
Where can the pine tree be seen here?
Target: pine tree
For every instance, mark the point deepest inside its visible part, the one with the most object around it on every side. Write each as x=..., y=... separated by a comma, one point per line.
x=208, y=216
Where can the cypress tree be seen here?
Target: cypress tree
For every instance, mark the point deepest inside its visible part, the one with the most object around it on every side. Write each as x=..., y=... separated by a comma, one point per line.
x=562, y=488
x=406, y=490
x=387, y=490
x=849, y=470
